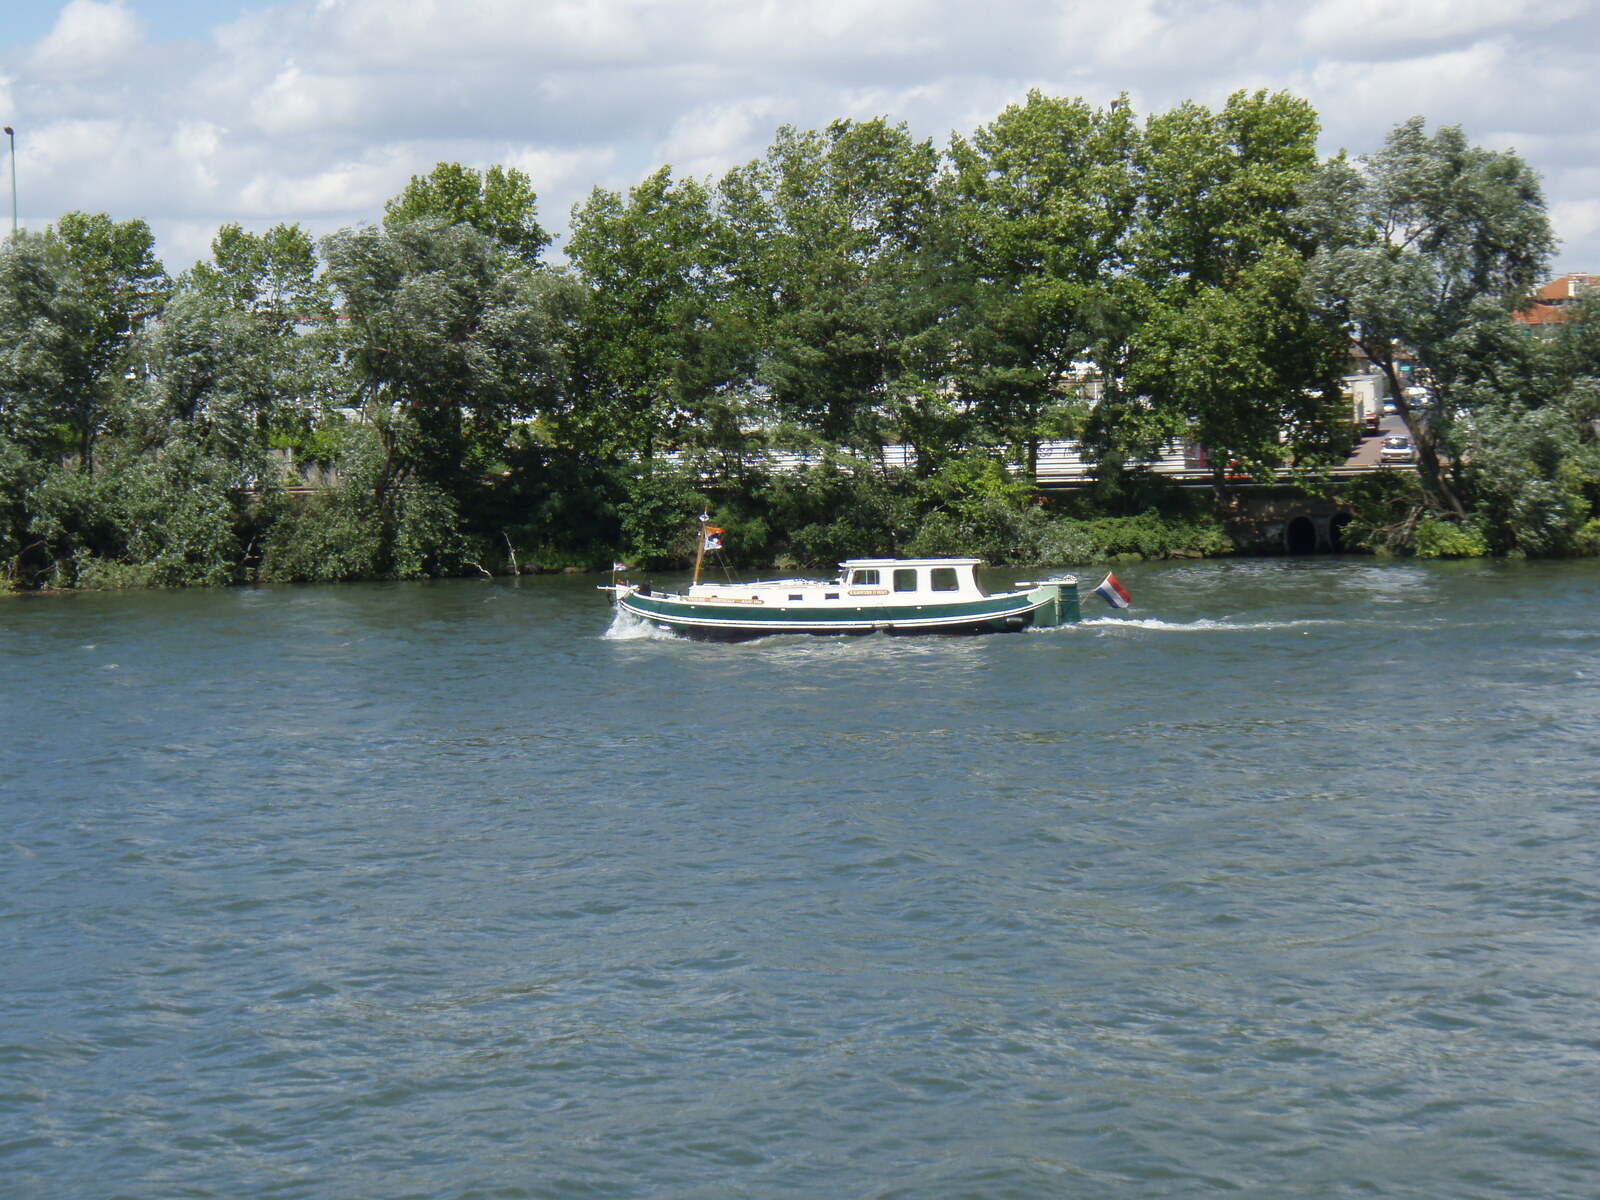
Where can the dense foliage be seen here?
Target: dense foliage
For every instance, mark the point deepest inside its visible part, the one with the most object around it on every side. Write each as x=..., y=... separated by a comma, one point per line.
x=855, y=344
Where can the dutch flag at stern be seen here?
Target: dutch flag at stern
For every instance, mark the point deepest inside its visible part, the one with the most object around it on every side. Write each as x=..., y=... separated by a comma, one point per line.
x=1113, y=593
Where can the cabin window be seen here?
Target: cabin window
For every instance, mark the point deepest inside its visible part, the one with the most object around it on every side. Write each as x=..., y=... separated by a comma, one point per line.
x=796, y=596
x=864, y=578
x=905, y=579
x=944, y=579
x=830, y=596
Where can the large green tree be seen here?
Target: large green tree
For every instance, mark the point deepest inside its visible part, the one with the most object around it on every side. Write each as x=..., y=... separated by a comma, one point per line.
x=665, y=351
x=498, y=202
x=1422, y=251
x=40, y=366
x=825, y=231
x=1227, y=354
x=1039, y=208
x=273, y=276
x=72, y=301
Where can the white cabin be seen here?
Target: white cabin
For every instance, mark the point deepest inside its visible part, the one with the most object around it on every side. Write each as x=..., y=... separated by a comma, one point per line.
x=862, y=582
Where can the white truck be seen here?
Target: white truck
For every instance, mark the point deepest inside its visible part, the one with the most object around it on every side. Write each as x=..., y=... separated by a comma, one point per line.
x=1365, y=394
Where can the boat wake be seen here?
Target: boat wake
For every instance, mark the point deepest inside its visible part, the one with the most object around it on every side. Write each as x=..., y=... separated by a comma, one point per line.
x=625, y=627
x=1203, y=625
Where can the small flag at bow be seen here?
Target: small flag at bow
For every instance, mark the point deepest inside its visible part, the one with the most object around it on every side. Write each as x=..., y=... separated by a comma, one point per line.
x=1113, y=593
x=616, y=566
x=713, y=537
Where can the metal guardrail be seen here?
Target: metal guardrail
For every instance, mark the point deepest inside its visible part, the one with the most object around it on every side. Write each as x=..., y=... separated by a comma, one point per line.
x=1060, y=468
x=1199, y=478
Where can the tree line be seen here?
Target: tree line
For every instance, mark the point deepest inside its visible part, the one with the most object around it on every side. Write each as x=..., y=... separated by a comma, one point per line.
x=1063, y=271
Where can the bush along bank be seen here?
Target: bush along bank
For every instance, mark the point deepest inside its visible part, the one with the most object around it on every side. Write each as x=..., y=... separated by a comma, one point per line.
x=184, y=520
x=177, y=522
x=1393, y=516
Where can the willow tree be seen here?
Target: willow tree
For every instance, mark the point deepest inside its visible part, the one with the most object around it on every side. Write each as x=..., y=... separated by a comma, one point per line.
x=452, y=339
x=1530, y=456
x=1423, y=251
x=243, y=342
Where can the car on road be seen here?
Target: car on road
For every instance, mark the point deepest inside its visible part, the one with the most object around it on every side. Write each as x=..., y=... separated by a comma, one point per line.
x=1397, y=449
x=1390, y=408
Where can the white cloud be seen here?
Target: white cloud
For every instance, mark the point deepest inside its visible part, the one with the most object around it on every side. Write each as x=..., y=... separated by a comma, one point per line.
x=68, y=145
x=182, y=243
x=294, y=103
x=392, y=34
x=89, y=38
x=319, y=110
x=559, y=171
x=1134, y=34
x=345, y=191
x=718, y=133
x=1376, y=27
x=195, y=145
x=1579, y=221
x=1451, y=82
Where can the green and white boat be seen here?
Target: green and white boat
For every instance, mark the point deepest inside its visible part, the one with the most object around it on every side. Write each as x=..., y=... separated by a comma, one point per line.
x=870, y=595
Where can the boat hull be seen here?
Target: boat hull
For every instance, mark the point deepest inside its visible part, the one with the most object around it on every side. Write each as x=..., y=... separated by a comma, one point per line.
x=741, y=620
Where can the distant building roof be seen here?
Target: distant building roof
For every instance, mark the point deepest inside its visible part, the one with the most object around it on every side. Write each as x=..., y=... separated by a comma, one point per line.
x=1550, y=300
x=1568, y=287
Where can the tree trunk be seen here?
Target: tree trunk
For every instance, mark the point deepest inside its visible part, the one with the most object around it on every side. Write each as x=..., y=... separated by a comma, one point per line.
x=1219, y=482
x=1433, y=475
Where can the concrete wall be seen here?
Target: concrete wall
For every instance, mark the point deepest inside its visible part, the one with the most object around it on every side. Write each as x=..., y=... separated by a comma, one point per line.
x=1273, y=520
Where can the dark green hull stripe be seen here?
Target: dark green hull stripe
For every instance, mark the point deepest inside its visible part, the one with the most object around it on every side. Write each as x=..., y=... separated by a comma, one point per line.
x=905, y=619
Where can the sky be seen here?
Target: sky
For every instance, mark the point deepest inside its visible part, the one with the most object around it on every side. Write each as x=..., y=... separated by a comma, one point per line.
x=192, y=113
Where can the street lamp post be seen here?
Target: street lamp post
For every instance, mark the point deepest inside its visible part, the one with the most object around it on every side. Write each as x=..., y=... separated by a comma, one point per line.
x=12, y=134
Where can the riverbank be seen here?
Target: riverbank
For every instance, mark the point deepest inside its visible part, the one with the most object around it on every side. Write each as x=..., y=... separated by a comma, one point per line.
x=331, y=536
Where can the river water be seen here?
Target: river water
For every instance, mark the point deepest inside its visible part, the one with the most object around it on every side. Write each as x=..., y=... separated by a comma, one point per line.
x=1283, y=883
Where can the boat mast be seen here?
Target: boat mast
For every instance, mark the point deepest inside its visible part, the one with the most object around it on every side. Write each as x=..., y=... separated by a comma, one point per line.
x=700, y=547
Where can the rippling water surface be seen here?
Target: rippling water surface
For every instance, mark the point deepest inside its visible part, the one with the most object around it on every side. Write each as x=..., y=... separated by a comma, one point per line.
x=1283, y=884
